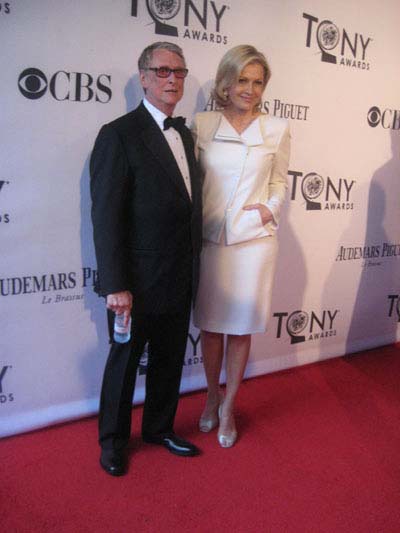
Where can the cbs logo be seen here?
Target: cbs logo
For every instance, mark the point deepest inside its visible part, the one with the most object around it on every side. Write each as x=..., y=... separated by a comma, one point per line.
x=73, y=86
x=5, y=8
x=388, y=119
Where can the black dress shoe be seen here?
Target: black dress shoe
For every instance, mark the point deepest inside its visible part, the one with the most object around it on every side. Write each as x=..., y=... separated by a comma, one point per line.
x=114, y=462
x=173, y=443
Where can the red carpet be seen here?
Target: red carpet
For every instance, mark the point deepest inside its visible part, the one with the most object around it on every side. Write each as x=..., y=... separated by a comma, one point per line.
x=318, y=452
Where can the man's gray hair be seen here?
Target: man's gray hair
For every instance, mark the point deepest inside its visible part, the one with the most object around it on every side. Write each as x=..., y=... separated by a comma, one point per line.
x=147, y=55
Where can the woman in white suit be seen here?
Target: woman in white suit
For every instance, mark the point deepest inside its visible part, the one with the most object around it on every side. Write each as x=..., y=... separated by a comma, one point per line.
x=244, y=156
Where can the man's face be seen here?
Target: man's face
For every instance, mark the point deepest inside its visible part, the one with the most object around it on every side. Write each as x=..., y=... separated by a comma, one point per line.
x=163, y=93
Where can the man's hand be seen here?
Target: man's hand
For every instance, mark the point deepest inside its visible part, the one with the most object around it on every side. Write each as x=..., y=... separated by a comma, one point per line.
x=265, y=213
x=120, y=302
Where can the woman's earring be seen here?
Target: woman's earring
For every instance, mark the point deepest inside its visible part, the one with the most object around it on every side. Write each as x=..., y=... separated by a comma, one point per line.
x=225, y=93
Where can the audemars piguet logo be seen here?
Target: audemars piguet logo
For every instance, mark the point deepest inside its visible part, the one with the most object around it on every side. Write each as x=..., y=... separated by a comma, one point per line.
x=369, y=255
x=275, y=107
x=347, y=48
x=53, y=288
x=289, y=110
x=198, y=21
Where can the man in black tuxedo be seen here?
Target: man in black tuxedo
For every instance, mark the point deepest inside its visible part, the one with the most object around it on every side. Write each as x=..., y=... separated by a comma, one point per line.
x=146, y=212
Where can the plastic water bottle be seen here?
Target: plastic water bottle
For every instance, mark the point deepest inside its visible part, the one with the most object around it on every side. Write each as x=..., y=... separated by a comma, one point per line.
x=122, y=333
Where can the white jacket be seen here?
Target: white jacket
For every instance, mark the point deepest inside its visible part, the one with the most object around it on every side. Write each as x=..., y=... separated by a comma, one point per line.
x=241, y=169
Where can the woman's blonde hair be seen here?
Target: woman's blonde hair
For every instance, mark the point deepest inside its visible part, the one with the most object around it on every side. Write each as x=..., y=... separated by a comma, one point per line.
x=230, y=67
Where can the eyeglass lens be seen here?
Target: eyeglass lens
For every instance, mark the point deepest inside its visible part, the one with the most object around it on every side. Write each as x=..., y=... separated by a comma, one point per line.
x=164, y=72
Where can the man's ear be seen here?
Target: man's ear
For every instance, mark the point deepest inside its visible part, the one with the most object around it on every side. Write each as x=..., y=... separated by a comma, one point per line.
x=143, y=79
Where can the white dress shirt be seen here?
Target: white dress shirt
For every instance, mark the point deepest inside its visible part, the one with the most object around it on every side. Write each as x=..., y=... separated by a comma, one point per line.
x=174, y=141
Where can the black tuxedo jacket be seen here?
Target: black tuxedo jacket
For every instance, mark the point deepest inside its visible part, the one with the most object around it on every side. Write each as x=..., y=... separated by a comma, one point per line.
x=147, y=230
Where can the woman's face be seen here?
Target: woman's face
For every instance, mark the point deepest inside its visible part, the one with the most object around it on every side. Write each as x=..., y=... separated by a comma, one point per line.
x=245, y=94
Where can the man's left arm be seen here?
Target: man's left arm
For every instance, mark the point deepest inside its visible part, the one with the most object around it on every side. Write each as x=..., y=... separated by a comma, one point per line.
x=109, y=185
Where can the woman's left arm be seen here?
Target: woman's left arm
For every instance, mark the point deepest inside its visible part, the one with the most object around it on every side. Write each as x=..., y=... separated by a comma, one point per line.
x=278, y=179
x=270, y=210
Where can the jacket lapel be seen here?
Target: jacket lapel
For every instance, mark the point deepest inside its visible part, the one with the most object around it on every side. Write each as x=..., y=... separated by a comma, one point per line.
x=155, y=141
x=187, y=140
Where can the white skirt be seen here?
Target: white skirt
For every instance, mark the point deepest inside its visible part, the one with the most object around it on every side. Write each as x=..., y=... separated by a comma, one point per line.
x=234, y=294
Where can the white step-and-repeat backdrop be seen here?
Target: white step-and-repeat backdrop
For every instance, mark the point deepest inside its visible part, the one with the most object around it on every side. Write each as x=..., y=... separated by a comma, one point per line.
x=69, y=66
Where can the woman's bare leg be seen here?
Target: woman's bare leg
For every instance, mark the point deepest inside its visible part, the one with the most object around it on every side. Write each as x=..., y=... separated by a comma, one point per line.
x=237, y=354
x=212, y=347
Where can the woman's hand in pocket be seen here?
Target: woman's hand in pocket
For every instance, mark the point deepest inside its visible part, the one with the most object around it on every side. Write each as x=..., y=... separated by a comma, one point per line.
x=265, y=213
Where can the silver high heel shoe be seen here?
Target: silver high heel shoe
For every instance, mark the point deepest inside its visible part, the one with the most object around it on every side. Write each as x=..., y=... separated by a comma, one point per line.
x=207, y=424
x=226, y=440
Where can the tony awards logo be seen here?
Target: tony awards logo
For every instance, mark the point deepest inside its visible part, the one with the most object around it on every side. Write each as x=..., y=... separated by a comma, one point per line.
x=394, y=305
x=327, y=39
x=322, y=193
x=4, y=217
x=162, y=10
x=295, y=325
x=302, y=326
x=5, y=396
x=333, y=42
x=167, y=18
x=311, y=188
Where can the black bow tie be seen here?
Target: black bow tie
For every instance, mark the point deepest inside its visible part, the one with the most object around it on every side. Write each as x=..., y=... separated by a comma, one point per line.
x=178, y=123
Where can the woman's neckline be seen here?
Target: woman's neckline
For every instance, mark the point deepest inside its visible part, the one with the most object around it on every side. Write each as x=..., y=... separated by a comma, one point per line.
x=247, y=124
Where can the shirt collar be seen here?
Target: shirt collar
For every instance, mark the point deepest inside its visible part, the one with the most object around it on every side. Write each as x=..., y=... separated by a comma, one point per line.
x=158, y=115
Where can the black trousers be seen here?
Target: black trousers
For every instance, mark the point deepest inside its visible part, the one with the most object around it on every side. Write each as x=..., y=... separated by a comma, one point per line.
x=166, y=335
